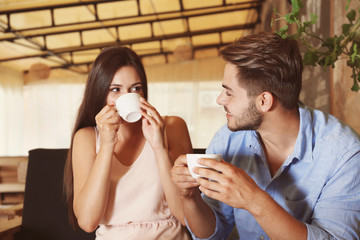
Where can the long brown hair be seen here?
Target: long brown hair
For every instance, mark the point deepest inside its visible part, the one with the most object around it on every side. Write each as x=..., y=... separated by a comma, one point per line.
x=266, y=62
x=107, y=63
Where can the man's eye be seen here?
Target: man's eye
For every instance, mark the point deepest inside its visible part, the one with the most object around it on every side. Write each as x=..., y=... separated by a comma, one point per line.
x=227, y=93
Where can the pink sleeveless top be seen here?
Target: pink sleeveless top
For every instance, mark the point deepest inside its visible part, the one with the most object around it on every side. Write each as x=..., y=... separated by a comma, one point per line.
x=136, y=207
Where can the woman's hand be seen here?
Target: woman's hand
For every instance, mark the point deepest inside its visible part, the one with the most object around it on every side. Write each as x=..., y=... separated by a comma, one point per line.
x=108, y=123
x=153, y=126
x=180, y=175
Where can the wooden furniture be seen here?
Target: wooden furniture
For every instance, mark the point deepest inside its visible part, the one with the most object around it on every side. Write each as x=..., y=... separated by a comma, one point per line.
x=9, y=228
x=12, y=179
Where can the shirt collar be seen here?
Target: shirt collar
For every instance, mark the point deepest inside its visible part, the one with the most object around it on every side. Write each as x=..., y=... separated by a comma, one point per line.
x=303, y=148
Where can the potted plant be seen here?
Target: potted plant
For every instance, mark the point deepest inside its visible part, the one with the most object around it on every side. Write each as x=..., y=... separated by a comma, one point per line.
x=325, y=52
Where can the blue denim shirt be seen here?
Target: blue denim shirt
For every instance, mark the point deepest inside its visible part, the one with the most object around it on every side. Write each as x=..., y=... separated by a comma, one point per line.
x=318, y=184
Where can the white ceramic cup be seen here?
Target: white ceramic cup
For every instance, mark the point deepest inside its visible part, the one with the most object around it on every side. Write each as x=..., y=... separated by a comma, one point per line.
x=128, y=107
x=192, y=161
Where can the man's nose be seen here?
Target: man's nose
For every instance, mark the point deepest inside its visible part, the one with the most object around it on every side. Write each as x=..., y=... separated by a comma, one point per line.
x=219, y=99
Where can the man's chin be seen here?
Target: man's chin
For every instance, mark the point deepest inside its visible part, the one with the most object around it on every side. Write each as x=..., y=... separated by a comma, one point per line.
x=232, y=127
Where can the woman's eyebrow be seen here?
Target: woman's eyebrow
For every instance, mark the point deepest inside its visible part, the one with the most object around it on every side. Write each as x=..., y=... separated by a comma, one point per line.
x=138, y=83
x=115, y=85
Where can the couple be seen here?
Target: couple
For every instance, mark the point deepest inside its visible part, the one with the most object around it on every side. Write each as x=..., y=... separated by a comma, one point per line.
x=288, y=171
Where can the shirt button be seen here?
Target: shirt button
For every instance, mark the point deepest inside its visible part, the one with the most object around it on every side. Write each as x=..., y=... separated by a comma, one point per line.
x=262, y=237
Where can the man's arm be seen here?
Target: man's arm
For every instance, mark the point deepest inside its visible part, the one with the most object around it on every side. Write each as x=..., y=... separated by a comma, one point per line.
x=236, y=188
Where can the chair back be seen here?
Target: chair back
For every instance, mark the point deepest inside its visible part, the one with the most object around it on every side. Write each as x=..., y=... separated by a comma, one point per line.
x=45, y=208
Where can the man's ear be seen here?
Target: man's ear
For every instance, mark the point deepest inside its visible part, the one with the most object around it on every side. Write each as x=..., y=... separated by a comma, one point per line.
x=265, y=101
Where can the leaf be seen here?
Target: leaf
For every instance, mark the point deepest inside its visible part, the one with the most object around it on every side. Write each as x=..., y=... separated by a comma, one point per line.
x=357, y=37
x=283, y=31
x=350, y=63
x=295, y=10
x=310, y=58
x=353, y=55
x=296, y=5
x=346, y=28
x=351, y=15
x=339, y=39
x=329, y=42
x=290, y=18
x=347, y=4
x=313, y=18
x=307, y=24
x=355, y=87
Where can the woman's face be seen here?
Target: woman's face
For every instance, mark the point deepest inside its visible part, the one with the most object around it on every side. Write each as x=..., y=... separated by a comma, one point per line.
x=126, y=80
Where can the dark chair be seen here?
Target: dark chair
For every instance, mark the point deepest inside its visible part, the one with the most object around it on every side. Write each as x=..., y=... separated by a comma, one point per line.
x=45, y=208
x=199, y=150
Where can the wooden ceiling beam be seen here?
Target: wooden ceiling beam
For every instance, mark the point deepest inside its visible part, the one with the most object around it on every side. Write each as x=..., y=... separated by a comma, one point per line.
x=130, y=42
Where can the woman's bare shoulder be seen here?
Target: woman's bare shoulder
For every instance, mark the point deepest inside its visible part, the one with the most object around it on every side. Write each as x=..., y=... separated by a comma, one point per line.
x=85, y=137
x=174, y=121
x=85, y=132
x=178, y=136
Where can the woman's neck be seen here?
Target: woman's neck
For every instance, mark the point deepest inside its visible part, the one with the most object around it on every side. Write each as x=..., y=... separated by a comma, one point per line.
x=130, y=130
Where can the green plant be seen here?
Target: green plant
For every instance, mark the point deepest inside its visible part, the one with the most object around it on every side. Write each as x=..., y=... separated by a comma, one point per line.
x=325, y=52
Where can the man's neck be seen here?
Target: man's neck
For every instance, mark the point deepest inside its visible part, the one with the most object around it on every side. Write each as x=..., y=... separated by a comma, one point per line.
x=278, y=133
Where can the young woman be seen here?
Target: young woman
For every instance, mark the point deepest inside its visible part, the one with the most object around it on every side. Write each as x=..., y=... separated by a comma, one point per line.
x=117, y=174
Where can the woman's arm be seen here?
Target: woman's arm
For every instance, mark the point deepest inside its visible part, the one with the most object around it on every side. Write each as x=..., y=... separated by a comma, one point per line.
x=169, y=138
x=92, y=171
x=178, y=143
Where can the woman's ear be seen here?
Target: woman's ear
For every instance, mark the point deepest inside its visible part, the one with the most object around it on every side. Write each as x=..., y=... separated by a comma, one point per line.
x=265, y=101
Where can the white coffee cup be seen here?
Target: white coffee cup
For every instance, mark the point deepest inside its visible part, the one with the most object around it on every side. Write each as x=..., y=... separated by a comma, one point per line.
x=192, y=161
x=128, y=107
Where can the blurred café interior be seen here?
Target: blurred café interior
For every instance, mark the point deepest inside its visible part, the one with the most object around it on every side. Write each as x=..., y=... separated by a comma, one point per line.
x=47, y=47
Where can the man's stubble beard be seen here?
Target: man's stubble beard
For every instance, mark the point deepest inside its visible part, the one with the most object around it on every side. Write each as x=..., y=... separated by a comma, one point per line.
x=250, y=120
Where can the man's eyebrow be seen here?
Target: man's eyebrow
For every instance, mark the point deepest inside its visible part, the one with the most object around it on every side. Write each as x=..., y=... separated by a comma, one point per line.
x=227, y=88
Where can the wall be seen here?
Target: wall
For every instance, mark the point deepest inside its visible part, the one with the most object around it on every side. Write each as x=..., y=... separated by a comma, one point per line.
x=316, y=81
x=11, y=112
x=345, y=104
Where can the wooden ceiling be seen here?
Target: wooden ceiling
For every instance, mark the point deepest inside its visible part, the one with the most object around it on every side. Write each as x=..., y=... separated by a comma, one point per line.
x=69, y=34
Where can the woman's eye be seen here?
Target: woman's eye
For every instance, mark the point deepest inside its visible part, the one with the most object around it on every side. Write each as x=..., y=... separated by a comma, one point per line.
x=115, y=90
x=136, y=89
x=227, y=93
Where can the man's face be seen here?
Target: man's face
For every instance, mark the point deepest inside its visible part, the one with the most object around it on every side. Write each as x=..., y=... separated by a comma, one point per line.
x=241, y=111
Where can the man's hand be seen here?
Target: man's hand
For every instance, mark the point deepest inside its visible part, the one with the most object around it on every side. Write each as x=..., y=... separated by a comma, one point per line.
x=228, y=184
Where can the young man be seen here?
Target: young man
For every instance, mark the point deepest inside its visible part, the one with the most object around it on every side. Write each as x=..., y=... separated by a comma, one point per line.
x=289, y=171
